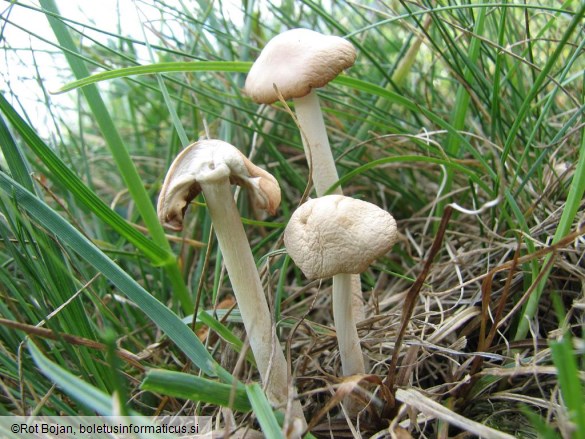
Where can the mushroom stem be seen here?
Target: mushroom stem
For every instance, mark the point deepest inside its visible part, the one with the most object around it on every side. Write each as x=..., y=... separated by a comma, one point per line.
x=249, y=293
x=318, y=151
x=352, y=359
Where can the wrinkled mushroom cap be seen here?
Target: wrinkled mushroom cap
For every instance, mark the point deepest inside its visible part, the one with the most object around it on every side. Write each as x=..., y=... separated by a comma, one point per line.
x=209, y=161
x=337, y=234
x=297, y=61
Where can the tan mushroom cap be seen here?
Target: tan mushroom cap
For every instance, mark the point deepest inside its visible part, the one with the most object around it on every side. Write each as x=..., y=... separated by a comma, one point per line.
x=338, y=234
x=297, y=61
x=210, y=161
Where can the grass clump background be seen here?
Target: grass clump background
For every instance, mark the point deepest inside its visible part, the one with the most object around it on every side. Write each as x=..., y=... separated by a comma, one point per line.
x=464, y=120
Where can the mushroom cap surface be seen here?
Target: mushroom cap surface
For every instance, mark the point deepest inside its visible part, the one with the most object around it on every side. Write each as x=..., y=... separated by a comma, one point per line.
x=297, y=61
x=209, y=161
x=337, y=234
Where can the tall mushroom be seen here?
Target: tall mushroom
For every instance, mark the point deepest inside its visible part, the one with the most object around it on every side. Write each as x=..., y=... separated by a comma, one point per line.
x=210, y=166
x=339, y=236
x=297, y=62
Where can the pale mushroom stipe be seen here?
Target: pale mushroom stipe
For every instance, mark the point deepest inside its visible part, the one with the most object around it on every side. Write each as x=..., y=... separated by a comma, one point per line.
x=337, y=236
x=210, y=167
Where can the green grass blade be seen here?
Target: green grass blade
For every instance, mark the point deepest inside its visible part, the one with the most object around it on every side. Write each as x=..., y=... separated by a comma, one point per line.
x=409, y=159
x=539, y=123
x=570, y=210
x=165, y=92
x=544, y=430
x=571, y=387
x=162, y=316
x=94, y=399
x=82, y=193
x=82, y=392
x=158, y=68
x=263, y=412
x=194, y=388
x=119, y=152
x=462, y=99
x=14, y=158
x=227, y=335
x=461, y=107
x=368, y=87
x=539, y=81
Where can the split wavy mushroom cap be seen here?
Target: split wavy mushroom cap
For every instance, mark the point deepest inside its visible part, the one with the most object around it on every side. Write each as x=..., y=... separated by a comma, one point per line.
x=297, y=61
x=338, y=234
x=209, y=161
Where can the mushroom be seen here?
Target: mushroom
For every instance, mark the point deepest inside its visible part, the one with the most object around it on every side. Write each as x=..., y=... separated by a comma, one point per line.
x=209, y=166
x=296, y=62
x=338, y=236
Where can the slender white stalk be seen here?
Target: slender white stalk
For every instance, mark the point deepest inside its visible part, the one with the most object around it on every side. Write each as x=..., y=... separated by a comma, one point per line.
x=249, y=293
x=352, y=359
x=318, y=151
x=324, y=175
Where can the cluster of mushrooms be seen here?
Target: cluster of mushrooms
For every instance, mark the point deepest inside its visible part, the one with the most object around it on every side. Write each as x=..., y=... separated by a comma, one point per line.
x=328, y=236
